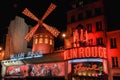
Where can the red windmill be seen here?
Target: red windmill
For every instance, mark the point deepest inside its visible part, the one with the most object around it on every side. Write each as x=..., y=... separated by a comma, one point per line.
x=42, y=33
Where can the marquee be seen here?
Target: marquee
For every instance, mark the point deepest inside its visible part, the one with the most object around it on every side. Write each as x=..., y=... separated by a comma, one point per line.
x=85, y=52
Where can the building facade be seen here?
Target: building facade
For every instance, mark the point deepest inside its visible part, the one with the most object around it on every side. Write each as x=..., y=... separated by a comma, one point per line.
x=92, y=16
x=113, y=49
x=86, y=28
x=15, y=42
x=90, y=52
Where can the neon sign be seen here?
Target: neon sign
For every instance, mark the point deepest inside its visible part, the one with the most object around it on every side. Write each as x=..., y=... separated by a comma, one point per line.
x=80, y=67
x=88, y=69
x=20, y=56
x=85, y=52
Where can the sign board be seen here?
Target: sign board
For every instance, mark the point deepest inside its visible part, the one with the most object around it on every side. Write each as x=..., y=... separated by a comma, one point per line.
x=85, y=52
x=87, y=69
x=21, y=55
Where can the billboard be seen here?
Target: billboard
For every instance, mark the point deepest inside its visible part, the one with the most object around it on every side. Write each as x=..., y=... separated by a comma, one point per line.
x=17, y=70
x=52, y=69
x=85, y=52
x=47, y=69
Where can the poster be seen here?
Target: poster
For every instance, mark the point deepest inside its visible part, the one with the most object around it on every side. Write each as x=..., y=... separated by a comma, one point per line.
x=52, y=69
x=17, y=70
x=47, y=69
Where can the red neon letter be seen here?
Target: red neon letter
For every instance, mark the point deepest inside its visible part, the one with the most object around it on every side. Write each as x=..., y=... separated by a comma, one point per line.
x=87, y=51
x=75, y=53
x=81, y=52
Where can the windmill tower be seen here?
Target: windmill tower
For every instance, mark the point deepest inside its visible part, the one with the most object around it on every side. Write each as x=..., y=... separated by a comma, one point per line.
x=43, y=34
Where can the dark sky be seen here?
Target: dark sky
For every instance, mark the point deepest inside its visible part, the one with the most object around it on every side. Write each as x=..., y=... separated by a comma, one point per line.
x=113, y=14
x=10, y=8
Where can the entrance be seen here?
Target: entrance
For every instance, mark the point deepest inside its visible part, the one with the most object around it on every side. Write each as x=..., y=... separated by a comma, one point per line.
x=86, y=78
x=37, y=78
x=45, y=78
x=116, y=77
x=14, y=79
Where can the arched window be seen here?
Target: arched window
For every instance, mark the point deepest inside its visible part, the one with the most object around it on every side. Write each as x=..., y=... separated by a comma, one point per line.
x=46, y=40
x=36, y=41
x=51, y=42
x=40, y=40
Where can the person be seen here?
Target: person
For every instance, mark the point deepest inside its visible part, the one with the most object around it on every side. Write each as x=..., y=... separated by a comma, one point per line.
x=30, y=70
x=49, y=73
x=55, y=70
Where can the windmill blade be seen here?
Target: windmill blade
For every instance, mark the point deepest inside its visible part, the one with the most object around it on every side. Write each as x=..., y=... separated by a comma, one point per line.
x=51, y=29
x=49, y=10
x=30, y=14
x=31, y=33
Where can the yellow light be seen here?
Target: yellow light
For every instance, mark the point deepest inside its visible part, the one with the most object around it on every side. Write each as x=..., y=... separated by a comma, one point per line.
x=63, y=35
x=0, y=48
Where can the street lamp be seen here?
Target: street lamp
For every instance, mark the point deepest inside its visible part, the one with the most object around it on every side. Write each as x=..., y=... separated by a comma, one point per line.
x=67, y=40
x=0, y=48
x=63, y=35
x=1, y=53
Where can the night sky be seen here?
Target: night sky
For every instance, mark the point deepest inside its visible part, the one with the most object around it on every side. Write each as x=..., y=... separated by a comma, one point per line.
x=112, y=14
x=10, y=8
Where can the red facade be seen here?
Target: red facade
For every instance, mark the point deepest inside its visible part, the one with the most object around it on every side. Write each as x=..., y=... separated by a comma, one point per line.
x=91, y=53
x=92, y=17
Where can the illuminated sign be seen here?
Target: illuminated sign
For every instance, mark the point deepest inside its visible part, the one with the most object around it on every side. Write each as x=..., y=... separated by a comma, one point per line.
x=20, y=56
x=86, y=60
x=85, y=52
x=88, y=69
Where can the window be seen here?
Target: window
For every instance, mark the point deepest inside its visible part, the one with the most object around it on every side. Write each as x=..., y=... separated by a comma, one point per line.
x=80, y=3
x=51, y=42
x=99, y=26
x=88, y=14
x=40, y=40
x=114, y=62
x=98, y=11
x=36, y=41
x=99, y=41
x=72, y=18
x=41, y=35
x=89, y=28
x=80, y=16
x=46, y=40
x=46, y=35
x=113, y=43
